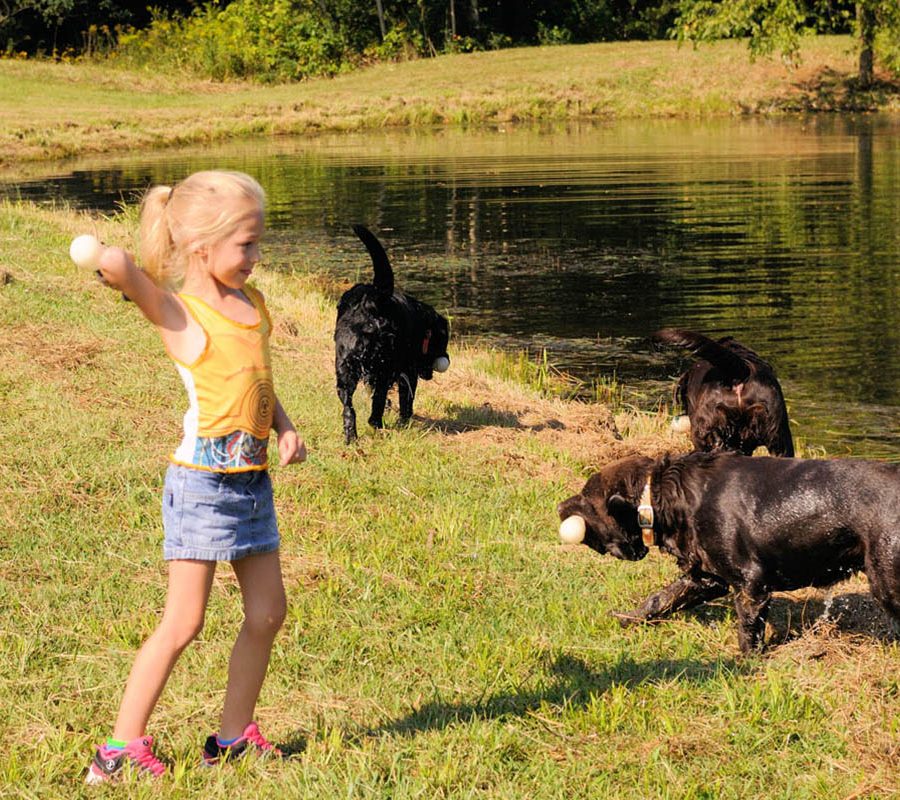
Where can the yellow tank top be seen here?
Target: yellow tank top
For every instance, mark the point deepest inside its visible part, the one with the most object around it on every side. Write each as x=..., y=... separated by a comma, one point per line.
x=230, y=391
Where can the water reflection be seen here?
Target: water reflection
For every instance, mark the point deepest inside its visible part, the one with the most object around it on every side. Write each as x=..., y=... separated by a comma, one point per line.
x=583, y=239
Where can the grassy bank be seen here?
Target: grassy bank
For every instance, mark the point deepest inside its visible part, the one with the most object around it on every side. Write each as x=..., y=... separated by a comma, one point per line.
x=439, y=642
x=56, y=110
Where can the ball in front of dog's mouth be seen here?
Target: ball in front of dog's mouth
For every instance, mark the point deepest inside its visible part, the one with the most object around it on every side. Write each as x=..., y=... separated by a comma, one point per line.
x=572, y=529
x=681, y=424
x=441, y=364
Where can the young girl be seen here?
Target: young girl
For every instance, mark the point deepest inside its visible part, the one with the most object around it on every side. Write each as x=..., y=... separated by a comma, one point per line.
x=204, y=234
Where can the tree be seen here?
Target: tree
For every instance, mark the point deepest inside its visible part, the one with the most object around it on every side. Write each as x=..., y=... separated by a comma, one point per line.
x=380, y=10
x=777, y=25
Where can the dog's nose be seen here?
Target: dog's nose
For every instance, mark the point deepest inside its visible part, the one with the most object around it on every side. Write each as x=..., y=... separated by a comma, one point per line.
x=569, y=506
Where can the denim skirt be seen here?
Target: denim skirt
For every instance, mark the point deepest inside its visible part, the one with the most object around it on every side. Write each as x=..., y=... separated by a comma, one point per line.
x=217, y=516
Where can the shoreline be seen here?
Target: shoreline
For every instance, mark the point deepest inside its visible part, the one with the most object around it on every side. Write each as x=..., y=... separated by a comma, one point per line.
x=51, y=111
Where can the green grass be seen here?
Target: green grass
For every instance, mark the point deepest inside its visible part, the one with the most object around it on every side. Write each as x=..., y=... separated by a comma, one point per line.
x=439, y=642
x=54, y=110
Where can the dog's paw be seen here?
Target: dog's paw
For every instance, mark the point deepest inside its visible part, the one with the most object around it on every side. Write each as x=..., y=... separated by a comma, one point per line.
x=628, y=619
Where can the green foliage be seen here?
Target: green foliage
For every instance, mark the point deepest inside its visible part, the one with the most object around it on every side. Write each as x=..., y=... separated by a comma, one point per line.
x=553, y=35
x=887, y=37
x=461, y=44
x=769, y=25
x=267, y=41
x=400, y=44
x=55, y=26
x=776, y=26
x=649, y=20
x=288, y=39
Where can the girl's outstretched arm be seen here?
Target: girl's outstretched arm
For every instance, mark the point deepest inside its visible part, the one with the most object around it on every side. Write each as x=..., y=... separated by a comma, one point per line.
x=181, y=334
x=291, y=449
x=119, y=271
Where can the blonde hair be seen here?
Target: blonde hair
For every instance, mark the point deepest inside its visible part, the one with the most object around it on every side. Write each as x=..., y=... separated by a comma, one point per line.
x=201, y=210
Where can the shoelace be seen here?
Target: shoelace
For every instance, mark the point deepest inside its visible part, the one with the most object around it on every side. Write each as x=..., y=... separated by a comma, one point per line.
x=254, y=736
x=145, y=759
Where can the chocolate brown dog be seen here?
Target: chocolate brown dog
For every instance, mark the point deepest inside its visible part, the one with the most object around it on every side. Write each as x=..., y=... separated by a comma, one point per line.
x=730, y=395
x=754, y=525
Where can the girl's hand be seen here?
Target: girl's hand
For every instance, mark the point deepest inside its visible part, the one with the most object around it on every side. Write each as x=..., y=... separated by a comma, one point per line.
x=291, y=449
x=115, y=267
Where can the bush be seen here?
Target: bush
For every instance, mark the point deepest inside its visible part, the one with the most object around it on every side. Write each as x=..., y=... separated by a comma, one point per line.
x=461, y=44
x=253, y=39
x=553, y=35
x=400, y=44
x=887, y=41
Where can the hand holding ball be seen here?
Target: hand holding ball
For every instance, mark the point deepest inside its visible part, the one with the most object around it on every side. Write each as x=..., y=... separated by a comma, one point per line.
x=572, y=529
x=441, y=364
x=85, y=251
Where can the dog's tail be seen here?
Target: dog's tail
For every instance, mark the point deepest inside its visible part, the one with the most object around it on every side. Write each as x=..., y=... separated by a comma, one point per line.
x=384, y=275
x=735, y=360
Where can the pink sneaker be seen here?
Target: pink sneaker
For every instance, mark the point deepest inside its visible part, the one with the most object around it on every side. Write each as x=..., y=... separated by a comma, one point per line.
x=108, y=764
x=213, y=752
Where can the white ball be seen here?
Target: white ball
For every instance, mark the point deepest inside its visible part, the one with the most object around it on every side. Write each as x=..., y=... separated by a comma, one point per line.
x=571, y=530
x=441, y=364
x=85, y=251
x=681, y=424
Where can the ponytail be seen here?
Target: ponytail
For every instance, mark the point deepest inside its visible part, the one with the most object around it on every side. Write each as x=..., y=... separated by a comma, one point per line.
x=157, y=245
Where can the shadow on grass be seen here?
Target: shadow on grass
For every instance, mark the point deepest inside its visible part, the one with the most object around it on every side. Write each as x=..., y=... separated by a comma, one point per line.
x=852, y=613
x=847, y=612
x=574, y=684
x=294, y=746
x=464, y=418
x=830, y=90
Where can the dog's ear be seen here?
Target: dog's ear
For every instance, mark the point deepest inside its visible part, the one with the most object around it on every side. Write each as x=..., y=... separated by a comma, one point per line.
x=575, y=505
x=620, y=509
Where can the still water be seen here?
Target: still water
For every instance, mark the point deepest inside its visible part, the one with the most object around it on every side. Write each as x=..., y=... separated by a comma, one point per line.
x=581, y=240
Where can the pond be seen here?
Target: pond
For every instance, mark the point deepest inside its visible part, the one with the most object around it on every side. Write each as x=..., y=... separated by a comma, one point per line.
x=580, y=240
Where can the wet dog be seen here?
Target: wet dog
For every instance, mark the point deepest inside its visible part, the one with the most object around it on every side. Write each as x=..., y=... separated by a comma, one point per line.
x=384, y=337
x=731, y=396
x=752, y=525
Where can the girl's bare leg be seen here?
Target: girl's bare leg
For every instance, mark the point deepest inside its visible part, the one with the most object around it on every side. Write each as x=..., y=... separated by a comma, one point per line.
x=265, y=607
x=188, y=593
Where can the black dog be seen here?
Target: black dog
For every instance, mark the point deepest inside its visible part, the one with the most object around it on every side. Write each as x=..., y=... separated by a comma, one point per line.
x=384, y=337
x=731, y=396
x=755, y=525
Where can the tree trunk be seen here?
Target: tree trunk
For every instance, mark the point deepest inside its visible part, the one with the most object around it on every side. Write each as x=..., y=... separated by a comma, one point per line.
x=452, y=19
x=380, y=8
x=866, y=22
x=423, y=21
